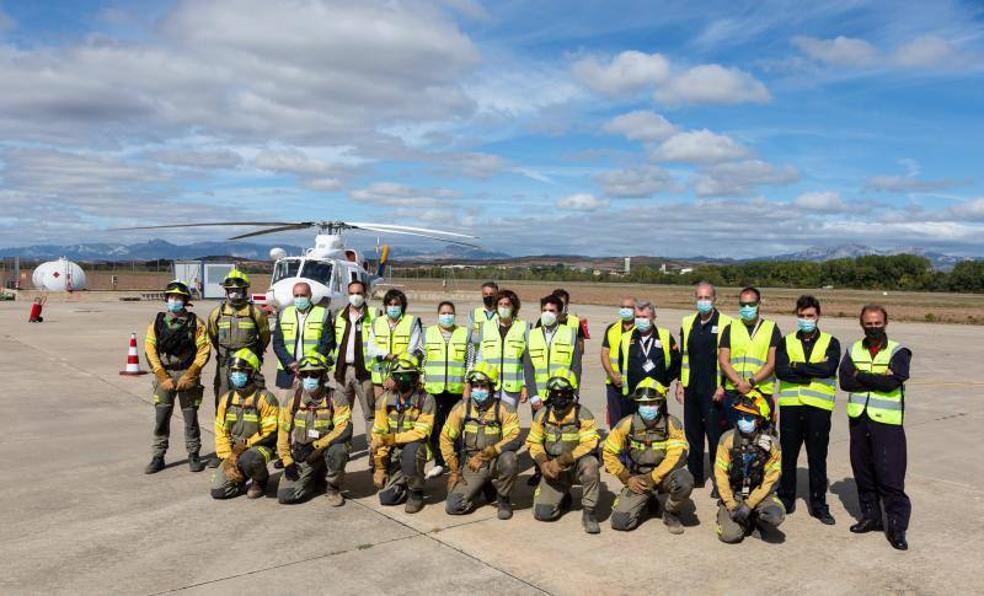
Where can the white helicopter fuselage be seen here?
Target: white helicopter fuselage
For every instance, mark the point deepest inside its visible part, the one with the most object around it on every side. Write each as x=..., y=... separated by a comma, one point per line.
x=328, y=268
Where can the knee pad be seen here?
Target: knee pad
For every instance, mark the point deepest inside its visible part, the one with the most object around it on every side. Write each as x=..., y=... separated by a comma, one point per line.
x=622, y=521
x=218, y=493
x=336, y=456
x=681, y=483
x=286, y=497
x=592, y=469
x=545, y=512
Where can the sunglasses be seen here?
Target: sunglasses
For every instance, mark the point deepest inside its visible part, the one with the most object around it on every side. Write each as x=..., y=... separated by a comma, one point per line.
x=748, y=304
x=309, y=375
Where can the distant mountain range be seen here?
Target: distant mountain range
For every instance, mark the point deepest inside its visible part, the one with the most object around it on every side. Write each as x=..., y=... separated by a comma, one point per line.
x=161, y=249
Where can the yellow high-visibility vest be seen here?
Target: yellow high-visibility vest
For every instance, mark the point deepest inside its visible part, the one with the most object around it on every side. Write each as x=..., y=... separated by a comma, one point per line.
x=749, y=354
x=884, y=407
x=819, y=393
x=444, y=368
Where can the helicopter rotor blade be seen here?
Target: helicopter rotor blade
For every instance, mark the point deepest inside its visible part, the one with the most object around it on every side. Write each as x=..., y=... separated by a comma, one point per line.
x=418, y=234
x=284, y=228
x=392, y=227
x=216, y=223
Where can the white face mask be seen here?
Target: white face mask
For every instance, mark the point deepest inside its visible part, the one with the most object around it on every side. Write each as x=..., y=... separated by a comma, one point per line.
x=357, y=300
x=505, y=312
x=548, y=318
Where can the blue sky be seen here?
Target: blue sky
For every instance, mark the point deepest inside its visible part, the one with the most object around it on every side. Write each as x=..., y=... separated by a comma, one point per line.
x=604, y=128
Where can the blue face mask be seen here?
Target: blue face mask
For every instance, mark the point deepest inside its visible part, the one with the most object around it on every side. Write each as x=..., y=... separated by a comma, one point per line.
x=643, y=324
x=310, y=384
x=175, y=305
x=446, y=320
x=649, y=413
x=746, y=425
x=806, y=325
x=394, y=312
x=302, y=302
x=749, y=312
x=705, y=306
x=480, y=395
x=238, y=379
x=626, y=314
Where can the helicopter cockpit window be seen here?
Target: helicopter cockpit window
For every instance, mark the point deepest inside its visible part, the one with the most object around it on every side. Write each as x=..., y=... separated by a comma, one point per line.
x=319, y=272
x=286, y=268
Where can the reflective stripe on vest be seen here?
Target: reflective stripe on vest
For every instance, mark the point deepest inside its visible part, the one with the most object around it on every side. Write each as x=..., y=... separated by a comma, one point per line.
x=444, y=369
x=662, y=334
x=687, y=325
x=749, y=354
x=882, y=407
x=549, y=359
x=614, y=335
x=314, y=328
x=506, y=356
x=392, y=341
x=479, y=317
x=819, y=393
x=342, y=322
x=236, y=330
x=311, y=423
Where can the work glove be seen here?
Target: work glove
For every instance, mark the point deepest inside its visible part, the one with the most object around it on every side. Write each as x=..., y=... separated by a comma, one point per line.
x=230, y=469
x=300, y=452
x=167, y=384
x=379, y=478
x=476, y=462
x=638, y=484
x=239, y=446
x=550, y=469
x=490, y=453
x=387, y=440
x=185, y=383
x=454, y=478
x=741, y=514
x=565, y=460
x=291, y=473
x=315, y=455
x=764, y=442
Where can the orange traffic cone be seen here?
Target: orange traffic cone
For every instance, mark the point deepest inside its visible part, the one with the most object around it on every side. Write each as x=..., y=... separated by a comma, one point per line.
x=132, y=360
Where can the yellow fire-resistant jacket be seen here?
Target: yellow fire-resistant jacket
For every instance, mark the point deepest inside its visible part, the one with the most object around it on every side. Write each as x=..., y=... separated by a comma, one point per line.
x=414, y=423
x=201, y=355
x=341, y=423
x=722, y=470
x=506, y=429
x=267, y=412
x=545, y=430
x=674, y=447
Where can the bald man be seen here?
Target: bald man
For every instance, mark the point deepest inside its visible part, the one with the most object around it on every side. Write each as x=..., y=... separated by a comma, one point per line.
x=302, y=327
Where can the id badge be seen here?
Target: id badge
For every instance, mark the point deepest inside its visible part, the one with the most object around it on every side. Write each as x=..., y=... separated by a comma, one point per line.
x=648, y=366
x=714, y=329
x=313, y=434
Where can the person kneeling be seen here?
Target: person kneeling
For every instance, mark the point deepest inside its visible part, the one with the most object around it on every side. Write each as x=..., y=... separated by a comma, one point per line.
x=747, y=472
x=400, y=432
x=562, y=441
x=245, y=431
x=657, y=456
x=479, y=443
x=314, y=438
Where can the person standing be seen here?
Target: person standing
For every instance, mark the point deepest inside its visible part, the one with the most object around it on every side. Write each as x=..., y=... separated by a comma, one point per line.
x=610, y=344
x=550, y=346
x=392, y=337
x=569, y=319
x=806, y=366
x=301, y=328
x=503, y=345
x=700, y=378
x=649, y=352
x=353, y=374
x=747, y=355
x=176, y=346
x=874, y=373
x=445, y=352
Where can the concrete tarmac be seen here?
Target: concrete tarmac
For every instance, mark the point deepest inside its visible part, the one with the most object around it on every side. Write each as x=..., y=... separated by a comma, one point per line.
x=80, y=516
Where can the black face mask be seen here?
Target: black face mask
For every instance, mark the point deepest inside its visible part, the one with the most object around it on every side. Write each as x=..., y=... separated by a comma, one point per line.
x=561, y=401
x=874, y=333
x=405, y=382
x=489, y=302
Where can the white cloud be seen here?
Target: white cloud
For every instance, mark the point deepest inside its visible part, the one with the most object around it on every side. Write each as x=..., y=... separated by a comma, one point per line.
x=839, y=51
x=641, y=125
x=923, y=52
x=293, y=161
x=824, y=202
x=391, y=194
x=639, y=182
x=198, y=158
x=712, y=84
x=894, y=183
x=581, y=202
x=475, y=165
x=699, y=146
x=972, y=210
x=628, y=72
x=323, y=184
x=740, y=178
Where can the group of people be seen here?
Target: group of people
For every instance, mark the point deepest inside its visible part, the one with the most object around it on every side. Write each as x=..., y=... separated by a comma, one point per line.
x=451, y=393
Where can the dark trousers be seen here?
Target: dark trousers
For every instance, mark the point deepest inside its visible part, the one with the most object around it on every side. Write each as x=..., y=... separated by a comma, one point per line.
x=809, y=425
x=619, y=406
x=700, y=423
x=878, y=458
x=445, y=402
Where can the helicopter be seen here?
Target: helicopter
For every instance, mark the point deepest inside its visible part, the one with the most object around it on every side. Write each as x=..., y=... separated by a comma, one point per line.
x=329, y=266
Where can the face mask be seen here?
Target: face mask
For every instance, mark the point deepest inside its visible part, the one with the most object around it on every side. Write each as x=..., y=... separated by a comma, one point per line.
x=549, y=319
x=394, y=312
x=643, y=324
x=302, y=302
x=489, y=302
x=746, y=426
x=175, y=305
x=405, y=382
x=236, y=297
x=479, y=395
x=505, y=312
x=238, y=379
x=626, y=314
x=357, y=300
x=806, y=325
x=446, y=320
x=874, y=333
x=310, y=384
x=562, y=403
x=649, y=413
x=749, y=312
x=705, y=306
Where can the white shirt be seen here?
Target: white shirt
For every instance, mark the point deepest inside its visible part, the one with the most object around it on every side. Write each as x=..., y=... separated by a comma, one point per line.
x=354, y=317
x=299, y=339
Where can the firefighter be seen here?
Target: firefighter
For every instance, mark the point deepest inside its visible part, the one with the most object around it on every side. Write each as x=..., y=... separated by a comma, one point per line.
x=562, y=441
x=245, y=431
x=315, y=436
x=657, y=457
x=400, y=434
x=747, y=470
x=177, y=348
x=479, y=443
